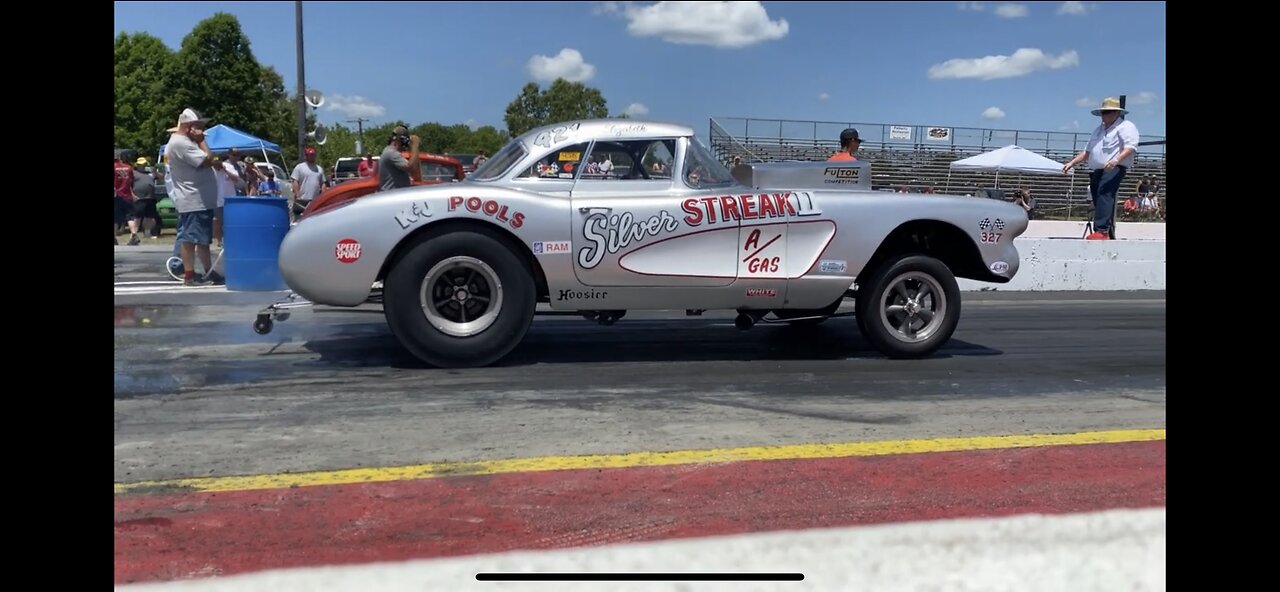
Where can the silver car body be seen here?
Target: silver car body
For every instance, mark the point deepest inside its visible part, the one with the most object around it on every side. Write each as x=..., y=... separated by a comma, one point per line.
x=775, y=236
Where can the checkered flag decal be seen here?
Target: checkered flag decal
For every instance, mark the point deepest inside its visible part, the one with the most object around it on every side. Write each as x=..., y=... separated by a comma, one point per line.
x=985, y=224
x=999, y=224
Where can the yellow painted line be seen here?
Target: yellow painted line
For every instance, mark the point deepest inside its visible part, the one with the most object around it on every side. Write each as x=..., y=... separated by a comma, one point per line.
x=637, y=459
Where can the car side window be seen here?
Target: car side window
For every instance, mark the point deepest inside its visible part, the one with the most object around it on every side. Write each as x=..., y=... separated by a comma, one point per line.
x=630, y=160
x=557, y=164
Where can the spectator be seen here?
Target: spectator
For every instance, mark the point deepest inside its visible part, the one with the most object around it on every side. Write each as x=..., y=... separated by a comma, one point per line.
x=268, y=186
x=367, y=167
x=479, y=159
x=195, y=194
x=252, y=176
x=1110, y=155
x=849, y=143
x=228, y=186
x=394, y=170
x=1024, y=200
x=242, y=185
x=124, y=199
x=144, y=200
x=308, y=179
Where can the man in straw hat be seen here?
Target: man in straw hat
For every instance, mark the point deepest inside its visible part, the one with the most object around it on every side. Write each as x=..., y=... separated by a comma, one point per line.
x=195, y=194
x=1110, y=155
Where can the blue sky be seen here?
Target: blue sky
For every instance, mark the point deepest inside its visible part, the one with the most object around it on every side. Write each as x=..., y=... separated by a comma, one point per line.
x=1007, y=65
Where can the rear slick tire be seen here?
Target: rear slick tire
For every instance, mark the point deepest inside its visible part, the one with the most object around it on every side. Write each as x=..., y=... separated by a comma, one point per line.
x=459, y=300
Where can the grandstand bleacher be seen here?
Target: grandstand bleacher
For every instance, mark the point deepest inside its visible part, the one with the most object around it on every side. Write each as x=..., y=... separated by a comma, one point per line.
x=919, y=157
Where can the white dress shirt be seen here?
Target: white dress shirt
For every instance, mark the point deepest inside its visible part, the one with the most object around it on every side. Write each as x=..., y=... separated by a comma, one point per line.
x=1106, y=144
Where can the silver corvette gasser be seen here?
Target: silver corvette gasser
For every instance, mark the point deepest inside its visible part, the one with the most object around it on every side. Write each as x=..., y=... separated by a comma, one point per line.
x=605, y=216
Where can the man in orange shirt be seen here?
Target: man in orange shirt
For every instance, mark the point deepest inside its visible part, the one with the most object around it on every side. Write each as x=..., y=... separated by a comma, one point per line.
x=849, y=142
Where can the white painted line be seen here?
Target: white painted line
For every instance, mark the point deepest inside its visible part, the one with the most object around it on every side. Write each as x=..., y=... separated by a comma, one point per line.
x=172, y=288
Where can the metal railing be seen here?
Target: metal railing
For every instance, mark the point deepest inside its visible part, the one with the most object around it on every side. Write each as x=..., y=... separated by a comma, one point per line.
x=909, y=163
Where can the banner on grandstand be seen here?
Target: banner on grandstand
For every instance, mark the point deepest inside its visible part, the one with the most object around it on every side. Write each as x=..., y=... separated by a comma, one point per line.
x=900, y=132
x=939, y=133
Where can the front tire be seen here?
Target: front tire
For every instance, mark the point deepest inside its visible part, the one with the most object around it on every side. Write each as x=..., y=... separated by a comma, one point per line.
x=461, y=299
x=910, y=307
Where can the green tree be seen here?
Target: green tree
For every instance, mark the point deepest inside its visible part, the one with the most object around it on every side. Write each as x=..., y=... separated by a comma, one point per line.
x=282, y=123
x=216, y=73
x=486, y=138
x=340, y=143
x=436, y=138
x=143, y=108
x=562, y=101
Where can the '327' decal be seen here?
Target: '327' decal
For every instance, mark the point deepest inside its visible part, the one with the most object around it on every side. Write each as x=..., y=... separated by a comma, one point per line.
x=990, y=238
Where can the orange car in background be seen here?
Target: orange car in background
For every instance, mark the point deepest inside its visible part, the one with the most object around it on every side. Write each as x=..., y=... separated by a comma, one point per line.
x=432, y=169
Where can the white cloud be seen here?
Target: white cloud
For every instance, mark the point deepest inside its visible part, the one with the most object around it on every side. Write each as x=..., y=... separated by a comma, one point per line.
x=1075, y=8
x=1084, y=102
x=993, y=113
x=1011, y=10
x=356, y=106
x=567, y=64
x=719, y=24
x=1022, y=62
x=1145, y=97
x=823, y=96
x=635, y=109
x=974, y=6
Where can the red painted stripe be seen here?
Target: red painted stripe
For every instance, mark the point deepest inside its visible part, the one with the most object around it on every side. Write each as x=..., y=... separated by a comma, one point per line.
x=165, y=537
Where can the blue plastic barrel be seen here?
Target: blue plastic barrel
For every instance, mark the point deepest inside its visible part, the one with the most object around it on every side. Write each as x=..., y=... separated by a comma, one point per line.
x=252, y=232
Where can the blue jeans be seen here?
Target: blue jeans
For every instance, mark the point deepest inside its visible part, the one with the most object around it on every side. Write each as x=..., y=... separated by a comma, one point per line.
x=1105, y=185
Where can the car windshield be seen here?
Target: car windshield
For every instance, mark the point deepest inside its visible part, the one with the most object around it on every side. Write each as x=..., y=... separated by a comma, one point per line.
x=701, y=169
x=465, y=159
x=498, y=165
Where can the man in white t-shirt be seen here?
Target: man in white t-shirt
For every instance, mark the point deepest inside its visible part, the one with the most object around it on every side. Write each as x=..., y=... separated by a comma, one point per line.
x=1110, y=155
x=308, y=180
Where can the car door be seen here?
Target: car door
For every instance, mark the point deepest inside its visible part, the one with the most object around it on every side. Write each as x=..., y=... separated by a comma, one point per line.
x=637, y=223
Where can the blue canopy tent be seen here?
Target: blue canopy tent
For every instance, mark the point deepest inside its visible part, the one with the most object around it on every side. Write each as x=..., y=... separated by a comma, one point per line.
x=222, y=138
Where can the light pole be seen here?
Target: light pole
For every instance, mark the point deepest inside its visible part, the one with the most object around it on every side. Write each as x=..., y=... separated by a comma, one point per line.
x=302, y=85
x=359, y=121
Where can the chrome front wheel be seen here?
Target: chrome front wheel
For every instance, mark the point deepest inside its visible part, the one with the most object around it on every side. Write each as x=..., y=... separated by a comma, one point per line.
x=909, y=307
x=914, y=307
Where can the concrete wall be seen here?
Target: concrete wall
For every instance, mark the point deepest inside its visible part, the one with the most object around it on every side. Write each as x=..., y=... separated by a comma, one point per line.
x=1124, y=230
x=1072, y=264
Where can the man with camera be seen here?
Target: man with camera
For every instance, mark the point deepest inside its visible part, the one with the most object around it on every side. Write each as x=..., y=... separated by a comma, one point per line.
x=194, y=193
x=394, y=170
